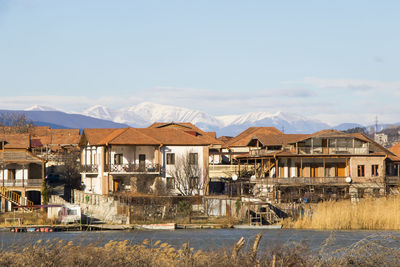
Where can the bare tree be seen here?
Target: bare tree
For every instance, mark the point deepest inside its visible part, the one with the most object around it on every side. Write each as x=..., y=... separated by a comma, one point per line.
x=187, y=174
x=15, y=122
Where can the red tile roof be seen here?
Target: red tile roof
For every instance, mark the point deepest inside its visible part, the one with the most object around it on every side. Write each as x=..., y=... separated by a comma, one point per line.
x=244, y=137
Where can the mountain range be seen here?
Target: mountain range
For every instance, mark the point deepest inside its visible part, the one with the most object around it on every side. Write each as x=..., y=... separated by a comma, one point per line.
x=144, y=114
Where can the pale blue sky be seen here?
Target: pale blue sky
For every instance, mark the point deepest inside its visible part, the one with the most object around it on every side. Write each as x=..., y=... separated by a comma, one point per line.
x=337, y=61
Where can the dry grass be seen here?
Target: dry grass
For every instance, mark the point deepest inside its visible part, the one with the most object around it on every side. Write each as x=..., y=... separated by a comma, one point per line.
x=368, y=252
x=27, y=218
x=368, y=214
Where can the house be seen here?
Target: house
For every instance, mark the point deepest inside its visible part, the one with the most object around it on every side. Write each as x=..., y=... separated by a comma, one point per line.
x=21, y=172
x=324, y=165
x=130, y=159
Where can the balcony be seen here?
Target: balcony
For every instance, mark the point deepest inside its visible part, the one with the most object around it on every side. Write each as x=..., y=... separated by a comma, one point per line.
x=132, y=168
x=89, y=168
x=22, y=183
x=222, y=170
x=305, y=181
x=392, y=180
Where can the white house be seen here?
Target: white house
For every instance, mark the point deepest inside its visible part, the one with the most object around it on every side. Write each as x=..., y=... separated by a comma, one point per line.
x=130, y=159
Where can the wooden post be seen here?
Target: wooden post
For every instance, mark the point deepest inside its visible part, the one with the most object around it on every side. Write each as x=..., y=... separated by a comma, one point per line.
x=23, y=175
x=324, y=167
x=255, y=167
x=301, y=167
x=262, y=167
x=278, y=173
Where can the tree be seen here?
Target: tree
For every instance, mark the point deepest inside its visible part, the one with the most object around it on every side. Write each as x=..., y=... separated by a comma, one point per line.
x=70, y=169
x=15, y=122
x=187, y=174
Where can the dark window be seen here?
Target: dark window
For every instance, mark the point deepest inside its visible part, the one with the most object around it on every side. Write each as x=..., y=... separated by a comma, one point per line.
x=194, y=182
x=170, y=182
x=170, y=158
x=374, y=170
x=193, y=158
x=118, y=158
x=361, y=170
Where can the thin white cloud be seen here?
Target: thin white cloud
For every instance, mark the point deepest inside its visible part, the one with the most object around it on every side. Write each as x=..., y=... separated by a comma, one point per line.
x=351, y=84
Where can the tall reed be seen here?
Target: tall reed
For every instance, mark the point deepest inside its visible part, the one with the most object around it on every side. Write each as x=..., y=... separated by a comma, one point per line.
x=367, y=214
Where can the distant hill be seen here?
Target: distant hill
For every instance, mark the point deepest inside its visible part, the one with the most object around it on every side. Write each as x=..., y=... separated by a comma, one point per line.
x=58, y=119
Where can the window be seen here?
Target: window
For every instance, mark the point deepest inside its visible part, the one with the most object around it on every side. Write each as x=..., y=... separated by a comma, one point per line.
x=361, y=170
x=170, y=158
x=193, y=158
x=374, y=170
x=194, y=182
x=118, y=158
x=170, y=182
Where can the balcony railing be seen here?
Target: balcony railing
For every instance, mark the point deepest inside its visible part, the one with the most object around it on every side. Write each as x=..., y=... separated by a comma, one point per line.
x=305, y=180
x=89, y=168
x=392, y=179
x=131, y=168
x=22, y=183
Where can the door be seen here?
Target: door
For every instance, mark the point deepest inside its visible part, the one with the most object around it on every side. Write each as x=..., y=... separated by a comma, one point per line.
x=314, y=171
x=341, y=170
x=142, y=162
x=116, y=184
x=11, y=174
x=324, y=146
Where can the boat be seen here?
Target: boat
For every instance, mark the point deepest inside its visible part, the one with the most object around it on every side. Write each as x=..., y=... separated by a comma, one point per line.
x=246, y=226
x=162, y=226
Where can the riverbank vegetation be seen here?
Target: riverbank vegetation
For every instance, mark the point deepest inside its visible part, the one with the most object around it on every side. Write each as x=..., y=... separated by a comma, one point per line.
x=367, y=252
x=367, y=214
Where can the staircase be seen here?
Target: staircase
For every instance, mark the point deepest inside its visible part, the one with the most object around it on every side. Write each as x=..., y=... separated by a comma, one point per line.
x=15, y=198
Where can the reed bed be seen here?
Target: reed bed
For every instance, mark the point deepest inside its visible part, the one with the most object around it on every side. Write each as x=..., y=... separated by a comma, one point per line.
x=367, y=214
x=368, y=252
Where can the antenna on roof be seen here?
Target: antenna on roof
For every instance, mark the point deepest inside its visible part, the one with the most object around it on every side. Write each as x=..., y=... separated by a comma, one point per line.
x=283, y=128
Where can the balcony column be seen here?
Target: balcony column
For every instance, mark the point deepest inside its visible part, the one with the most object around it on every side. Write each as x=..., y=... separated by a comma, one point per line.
x=262, y=167
x=255, y=167
x=23, y=175
x=323, y=160
x=301, y=167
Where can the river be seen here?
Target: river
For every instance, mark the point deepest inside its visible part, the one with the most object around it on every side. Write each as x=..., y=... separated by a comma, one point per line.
x=211, y=239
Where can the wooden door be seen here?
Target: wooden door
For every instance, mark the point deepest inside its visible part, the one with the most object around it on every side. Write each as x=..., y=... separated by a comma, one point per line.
x=116, y=186
x=341, y=170
x=314, y=171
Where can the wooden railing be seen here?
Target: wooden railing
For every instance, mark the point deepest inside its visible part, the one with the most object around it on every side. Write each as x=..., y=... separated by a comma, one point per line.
x=15, y=198
x=392, y=179
x=22, y=183
x=304, y=180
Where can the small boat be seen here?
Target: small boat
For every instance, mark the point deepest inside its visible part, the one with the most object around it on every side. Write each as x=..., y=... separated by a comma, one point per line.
x=246, y=226
x=163, y=226
x=30, y=229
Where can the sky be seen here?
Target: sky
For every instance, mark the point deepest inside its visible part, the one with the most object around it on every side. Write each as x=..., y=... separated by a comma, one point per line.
x=336, y=61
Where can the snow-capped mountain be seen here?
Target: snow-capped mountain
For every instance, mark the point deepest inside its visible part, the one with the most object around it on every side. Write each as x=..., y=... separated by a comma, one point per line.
x=143, y=114
x=40, y=108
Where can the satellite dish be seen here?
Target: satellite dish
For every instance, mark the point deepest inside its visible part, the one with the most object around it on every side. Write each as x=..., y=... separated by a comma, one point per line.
x=234, y=177
x=253, y=177
x=348, y=179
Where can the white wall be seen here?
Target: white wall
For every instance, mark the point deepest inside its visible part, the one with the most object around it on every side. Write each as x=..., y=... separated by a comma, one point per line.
x=92, y=184
x=180, y=151
x=131, y=154
x=19, y=174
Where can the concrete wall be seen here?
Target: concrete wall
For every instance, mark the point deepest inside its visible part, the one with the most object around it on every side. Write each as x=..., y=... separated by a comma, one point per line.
x=367, y=162
x=101, y=207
